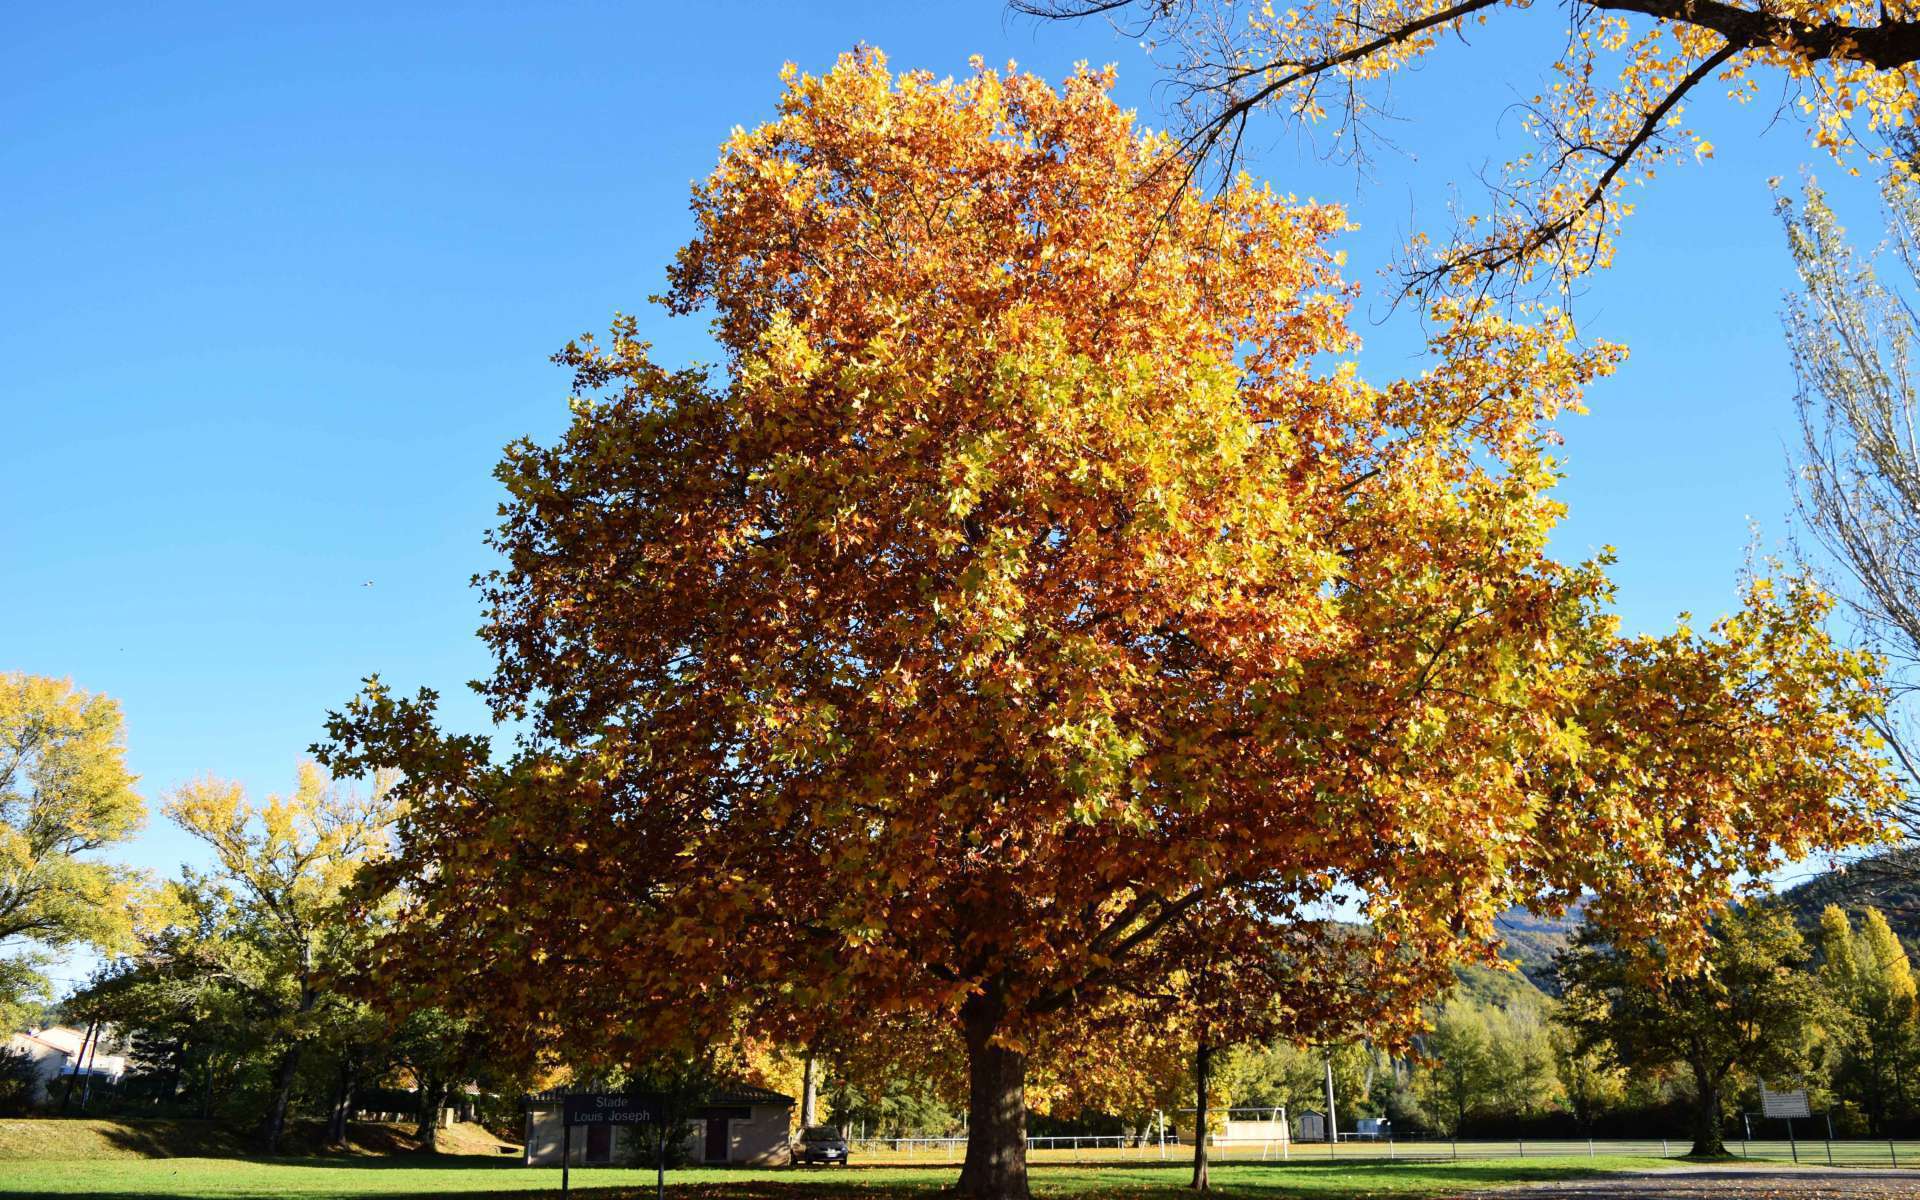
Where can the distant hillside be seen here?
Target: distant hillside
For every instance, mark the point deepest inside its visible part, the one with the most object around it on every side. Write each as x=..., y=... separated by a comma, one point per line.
x=1889, y=882
x=1511, y=990
x=1532, y=940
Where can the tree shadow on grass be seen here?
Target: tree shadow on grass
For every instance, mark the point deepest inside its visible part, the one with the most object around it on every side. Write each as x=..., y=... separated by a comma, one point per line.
x=171, y=1138
x=414, y=1161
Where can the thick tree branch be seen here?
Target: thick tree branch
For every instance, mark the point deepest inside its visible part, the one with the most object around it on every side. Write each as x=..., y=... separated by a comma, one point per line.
x=1885, y=46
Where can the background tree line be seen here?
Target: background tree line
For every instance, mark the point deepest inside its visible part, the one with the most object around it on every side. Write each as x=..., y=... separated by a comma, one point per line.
x=242, y=992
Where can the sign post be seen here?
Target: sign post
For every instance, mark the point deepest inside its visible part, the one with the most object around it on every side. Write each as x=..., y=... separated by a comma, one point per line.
x=614, y=1108
x=1786, y=1106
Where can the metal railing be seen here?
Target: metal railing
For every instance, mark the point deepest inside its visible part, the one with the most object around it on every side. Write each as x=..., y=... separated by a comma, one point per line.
x=1125, y=1148
x=1845, y=1153
x=1065, y=1147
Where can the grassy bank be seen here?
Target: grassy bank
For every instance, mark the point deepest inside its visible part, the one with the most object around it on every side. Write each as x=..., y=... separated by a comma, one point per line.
x=57, y=1140
x=40, y=1139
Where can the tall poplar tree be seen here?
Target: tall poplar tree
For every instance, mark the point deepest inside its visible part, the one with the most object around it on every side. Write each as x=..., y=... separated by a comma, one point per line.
x=1875, y=1031
x=1854, y=333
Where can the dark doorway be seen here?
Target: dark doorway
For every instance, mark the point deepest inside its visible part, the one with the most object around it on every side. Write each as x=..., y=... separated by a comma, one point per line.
x=716, y=1139
x=599, y=1144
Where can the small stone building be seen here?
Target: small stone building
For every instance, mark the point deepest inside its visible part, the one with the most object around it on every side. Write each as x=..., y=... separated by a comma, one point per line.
x=739, y=1124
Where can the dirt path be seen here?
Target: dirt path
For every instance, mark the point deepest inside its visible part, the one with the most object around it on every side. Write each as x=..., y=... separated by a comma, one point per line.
x=1727, y=1183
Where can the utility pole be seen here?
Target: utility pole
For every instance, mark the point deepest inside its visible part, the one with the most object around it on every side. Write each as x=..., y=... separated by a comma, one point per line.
x=93, y=1056
x=1333, y=1122
x=73, y=1070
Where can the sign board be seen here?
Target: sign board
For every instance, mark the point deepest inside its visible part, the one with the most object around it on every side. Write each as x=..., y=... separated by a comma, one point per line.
x=614, y=1108
x=1784, y=1104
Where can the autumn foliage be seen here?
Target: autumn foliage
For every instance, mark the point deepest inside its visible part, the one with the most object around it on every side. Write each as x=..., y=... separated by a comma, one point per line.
x=1034, y=578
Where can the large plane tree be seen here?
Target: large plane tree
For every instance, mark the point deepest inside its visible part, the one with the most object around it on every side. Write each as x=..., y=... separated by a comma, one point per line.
x=1035, y=570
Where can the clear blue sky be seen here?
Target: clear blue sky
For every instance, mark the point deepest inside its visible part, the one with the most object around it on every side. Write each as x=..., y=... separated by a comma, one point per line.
x=277, y=283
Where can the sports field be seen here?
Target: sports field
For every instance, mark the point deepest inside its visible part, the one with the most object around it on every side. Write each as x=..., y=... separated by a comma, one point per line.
x=335, y=1179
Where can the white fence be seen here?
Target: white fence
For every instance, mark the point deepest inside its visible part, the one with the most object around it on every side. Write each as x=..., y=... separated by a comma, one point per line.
x=1388, y=1149
x=1839, y=1154
x=1087, y=1148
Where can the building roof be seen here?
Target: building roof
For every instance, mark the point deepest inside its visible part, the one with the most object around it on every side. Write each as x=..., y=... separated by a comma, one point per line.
x=747, y=1093
x=733, y=1092
x=56, y=1037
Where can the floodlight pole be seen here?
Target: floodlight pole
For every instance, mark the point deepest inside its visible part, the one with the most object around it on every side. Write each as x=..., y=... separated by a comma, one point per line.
x=566, y=1149
x=1333, y=1121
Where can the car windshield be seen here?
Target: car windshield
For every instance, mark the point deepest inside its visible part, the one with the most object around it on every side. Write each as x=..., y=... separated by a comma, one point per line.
x=820, y=1133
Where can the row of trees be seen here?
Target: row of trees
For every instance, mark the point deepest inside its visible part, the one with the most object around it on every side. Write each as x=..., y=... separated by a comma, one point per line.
x=1626, y=1051
x=240, y=989
x=248, y=993
x=1630, y=1045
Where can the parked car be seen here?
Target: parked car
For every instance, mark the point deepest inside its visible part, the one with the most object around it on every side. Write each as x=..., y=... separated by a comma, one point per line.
x=819, y=1144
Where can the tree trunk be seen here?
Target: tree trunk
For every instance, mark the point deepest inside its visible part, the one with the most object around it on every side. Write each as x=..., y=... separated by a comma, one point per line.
x=342, y=1105
x=176, y=1063
x=433, y=1100
x=1202, y=1083
x=996, y=1165
x=810, y=1093
x=276, y=1122
x=1707, y=1140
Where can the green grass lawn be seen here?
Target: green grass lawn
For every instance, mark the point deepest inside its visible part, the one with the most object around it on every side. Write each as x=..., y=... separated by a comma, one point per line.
x=337, y=1179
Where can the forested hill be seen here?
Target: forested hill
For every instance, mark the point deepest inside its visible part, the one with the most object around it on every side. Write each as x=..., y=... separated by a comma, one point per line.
x=1532, y=940
x=1889, y=882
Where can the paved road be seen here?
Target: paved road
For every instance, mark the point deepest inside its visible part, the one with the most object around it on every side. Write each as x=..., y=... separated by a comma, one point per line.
x=1762, y=1182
